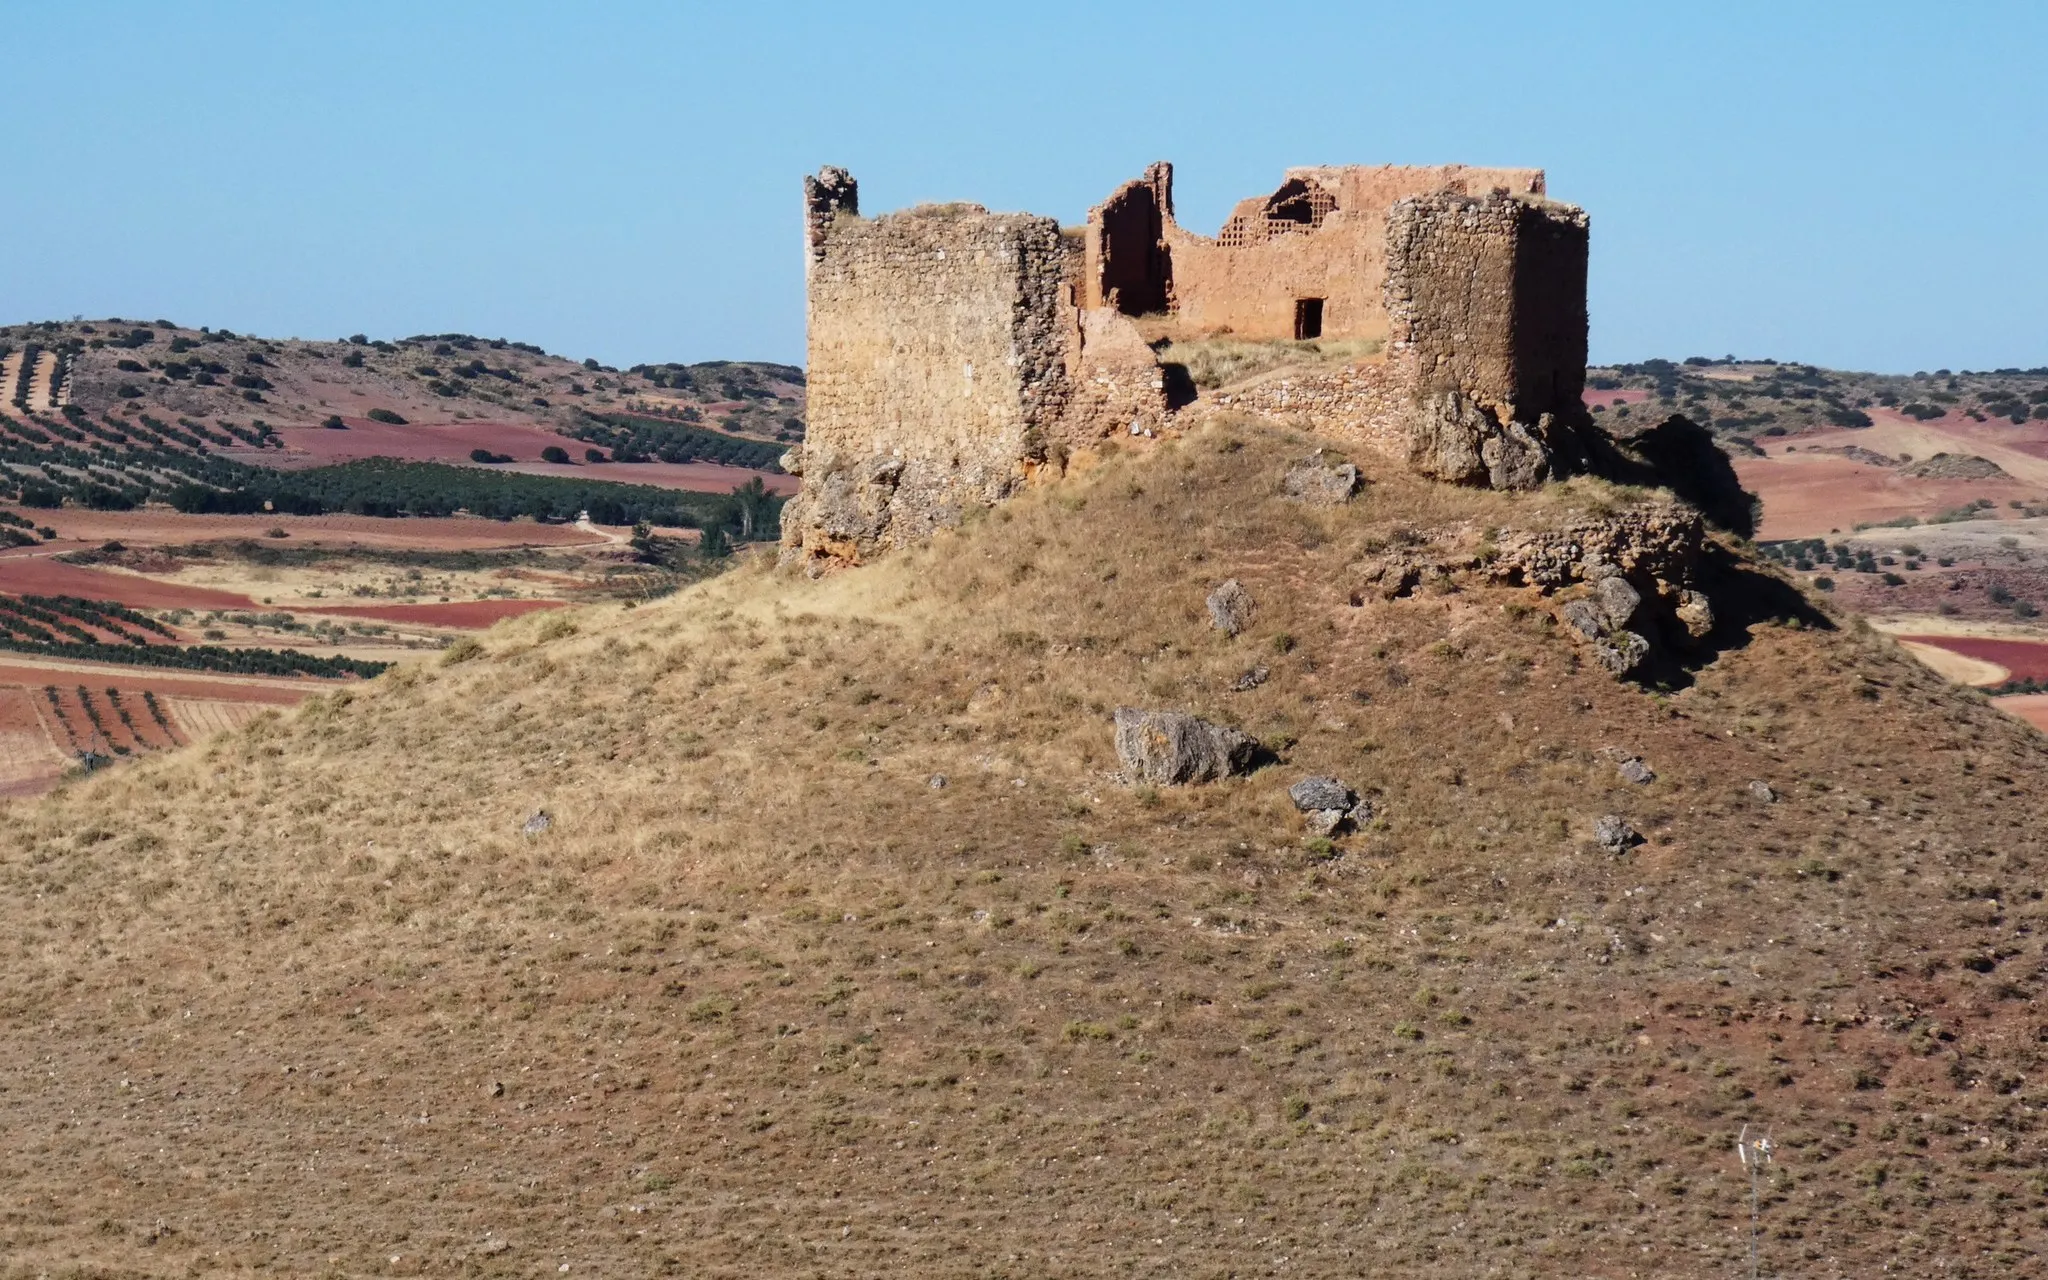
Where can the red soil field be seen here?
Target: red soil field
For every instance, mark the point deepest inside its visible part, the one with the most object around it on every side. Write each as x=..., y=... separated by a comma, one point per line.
x=161, y=526
x=1810, y=495
x=2026, y=659
x=1633, y=395
x=43, y=575
x=35, y=748
x=276, y=690
x=455, y=613
x=2030, y=707
x=27, y=762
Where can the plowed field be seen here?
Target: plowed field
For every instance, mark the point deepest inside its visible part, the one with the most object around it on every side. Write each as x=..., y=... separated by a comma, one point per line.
x=2025, y=659
x=454, y=613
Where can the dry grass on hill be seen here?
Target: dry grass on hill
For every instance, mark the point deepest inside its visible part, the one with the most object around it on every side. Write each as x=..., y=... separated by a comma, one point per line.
x=763, y=1000
x=1213, y=362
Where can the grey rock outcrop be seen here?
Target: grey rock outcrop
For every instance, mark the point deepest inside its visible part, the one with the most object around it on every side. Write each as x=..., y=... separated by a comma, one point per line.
x=1321, y=793
x=1328, y=806
x=1455, y=439
x=1230, y=607
x=1620, y=651
x=1613, y=834
x=1319, y=482
x=1173, y=748
x=1763, y=791
x=1632, y=769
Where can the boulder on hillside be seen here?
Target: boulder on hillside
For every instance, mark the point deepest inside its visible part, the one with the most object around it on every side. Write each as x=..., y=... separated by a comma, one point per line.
x=1173, y=748
x=1311, y=794
x=1230, y=607
x=1319, y=482
x=1615, y=835
x=1328, y=805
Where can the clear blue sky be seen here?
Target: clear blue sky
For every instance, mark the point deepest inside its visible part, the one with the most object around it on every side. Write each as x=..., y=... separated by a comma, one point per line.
x=1860, y=185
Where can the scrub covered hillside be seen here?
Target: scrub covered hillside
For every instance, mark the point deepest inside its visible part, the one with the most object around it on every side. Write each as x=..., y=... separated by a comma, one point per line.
x=786, y=926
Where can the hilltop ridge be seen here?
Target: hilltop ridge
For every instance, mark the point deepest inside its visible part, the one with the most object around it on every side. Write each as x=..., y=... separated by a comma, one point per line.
x=805, y=925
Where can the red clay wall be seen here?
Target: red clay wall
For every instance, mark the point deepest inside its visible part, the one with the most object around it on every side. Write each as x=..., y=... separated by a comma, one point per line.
x=1247, y=280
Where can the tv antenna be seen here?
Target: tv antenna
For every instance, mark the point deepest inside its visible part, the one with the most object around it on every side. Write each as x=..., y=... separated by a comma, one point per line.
x=1754, y=1153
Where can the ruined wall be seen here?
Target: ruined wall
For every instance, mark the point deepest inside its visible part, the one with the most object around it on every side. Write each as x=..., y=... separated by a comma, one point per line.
x=1487, y=308
x=953, y=352
x=1127, y=267
x=939, y=341
x=1366, y=404
x=1321, y=235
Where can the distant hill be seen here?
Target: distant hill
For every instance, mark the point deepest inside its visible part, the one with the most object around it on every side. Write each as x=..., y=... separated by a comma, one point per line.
x=171, y=372
x=1744, y=400
x=118, y=413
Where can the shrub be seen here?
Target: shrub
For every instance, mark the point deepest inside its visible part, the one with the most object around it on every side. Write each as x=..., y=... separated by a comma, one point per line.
x=334, y=423
x=1894, y=580
x=1824, y=583
x=554, y=453
x=593, y=455
x=385, y=415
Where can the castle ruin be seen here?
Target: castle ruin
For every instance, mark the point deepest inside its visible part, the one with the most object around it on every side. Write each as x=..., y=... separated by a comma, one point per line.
x=954, y=353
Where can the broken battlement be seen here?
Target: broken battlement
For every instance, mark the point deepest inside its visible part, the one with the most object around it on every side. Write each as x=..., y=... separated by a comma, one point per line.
x=953, y=352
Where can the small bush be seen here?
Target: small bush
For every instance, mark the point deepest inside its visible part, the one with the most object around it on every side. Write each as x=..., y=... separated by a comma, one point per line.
x=554, y=453
x=385, y=415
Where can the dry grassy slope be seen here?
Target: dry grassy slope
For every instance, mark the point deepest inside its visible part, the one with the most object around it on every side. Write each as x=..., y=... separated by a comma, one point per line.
x=761, y=1001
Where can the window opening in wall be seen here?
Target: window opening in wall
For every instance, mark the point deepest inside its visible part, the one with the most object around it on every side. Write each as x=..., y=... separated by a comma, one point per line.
x=1308, y=319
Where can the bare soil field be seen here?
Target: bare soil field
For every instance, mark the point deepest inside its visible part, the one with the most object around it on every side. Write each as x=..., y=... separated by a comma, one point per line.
x=43, y=574
x=1808, y=494
x=40, y=738
x=461, y=614
x=2021, y=659
x=2030, y=707
x=415, y=442
x=29, y=761
x=1957, y=667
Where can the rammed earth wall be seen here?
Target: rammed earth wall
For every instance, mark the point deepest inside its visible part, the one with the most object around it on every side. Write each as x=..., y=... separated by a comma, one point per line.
x=954, y=351
x=938, y=361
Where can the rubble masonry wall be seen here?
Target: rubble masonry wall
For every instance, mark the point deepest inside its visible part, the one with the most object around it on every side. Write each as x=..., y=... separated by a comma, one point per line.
x=938, y=347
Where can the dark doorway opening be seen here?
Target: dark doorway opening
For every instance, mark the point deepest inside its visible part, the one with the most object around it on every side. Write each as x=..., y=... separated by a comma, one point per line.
x=1308, y=319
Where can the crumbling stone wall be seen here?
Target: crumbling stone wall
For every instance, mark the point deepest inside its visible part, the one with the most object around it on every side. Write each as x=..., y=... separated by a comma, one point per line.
x=1321, y=235
x=1128, y=268
x=954, y=352
x=939, y=342
x=1486, y=298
